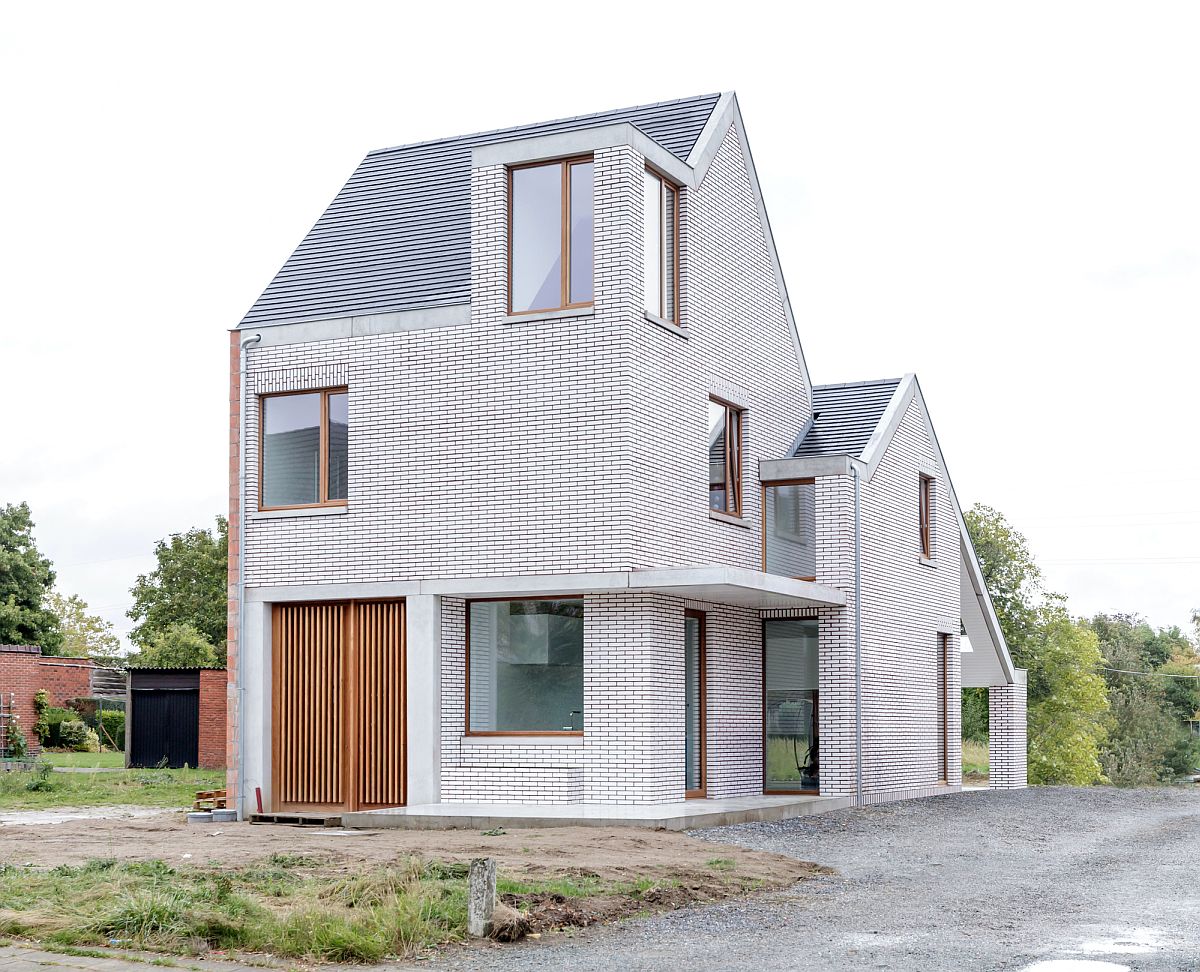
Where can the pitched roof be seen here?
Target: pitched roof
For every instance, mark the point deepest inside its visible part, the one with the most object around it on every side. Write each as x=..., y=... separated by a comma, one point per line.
x=845, y=417
x=398, y=235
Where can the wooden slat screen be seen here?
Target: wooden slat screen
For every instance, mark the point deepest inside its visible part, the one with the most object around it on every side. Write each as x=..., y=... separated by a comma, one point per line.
x=339, y=698
x=309, y=652
x=381, y=699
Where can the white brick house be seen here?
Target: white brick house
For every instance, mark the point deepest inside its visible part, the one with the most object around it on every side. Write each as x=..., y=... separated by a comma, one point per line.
x=532, y=500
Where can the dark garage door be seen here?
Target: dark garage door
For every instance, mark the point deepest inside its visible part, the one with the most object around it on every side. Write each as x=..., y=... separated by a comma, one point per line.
x=165, y=722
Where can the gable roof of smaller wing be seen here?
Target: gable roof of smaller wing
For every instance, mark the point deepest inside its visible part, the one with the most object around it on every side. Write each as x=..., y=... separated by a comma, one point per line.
x=845, y=417
x=398, y=234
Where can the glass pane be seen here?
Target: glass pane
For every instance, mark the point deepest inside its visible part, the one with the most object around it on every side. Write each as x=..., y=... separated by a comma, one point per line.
x=537, y=238
x=526, y=662
x=790, y=539
x=943, y=712
x=790, y=689
x=291, y=451
x=652, y=241
x=670, y=253
x=339, y=456
x=717, y=498
x=581, y=232
x=693, y=700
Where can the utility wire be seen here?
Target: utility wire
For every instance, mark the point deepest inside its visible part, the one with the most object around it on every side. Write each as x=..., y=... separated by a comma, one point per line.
x=1125, y=671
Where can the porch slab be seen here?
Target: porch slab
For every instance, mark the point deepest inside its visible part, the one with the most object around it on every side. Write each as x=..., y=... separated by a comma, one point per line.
x=684, y=815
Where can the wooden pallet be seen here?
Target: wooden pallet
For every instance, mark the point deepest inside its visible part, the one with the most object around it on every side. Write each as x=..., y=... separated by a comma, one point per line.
x=209, y=800
x=298, y=819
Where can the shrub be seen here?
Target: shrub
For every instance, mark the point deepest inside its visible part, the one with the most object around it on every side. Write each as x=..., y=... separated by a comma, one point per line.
x=41, y=781
x=55, y=719
x=112, y=729
x=41, y=702
x=15, y=743
x=72, y=734
x=91, y=743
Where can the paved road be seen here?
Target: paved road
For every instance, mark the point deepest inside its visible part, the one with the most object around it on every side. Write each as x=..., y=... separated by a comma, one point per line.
x=1045, y=878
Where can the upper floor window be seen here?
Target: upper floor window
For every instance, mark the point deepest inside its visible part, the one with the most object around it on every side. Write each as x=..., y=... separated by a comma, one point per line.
x=724, y=457
x=661, y=236
x=789, y=529
x=925, y=512
x=303, y=457
x=550, y=236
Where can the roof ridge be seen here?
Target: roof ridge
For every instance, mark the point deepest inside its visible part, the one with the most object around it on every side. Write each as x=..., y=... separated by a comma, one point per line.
x=860, y=384
x=545, y=121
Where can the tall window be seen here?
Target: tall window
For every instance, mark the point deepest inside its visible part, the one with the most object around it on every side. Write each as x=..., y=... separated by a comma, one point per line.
x=790, y=697
x=943, y=694
x=789, y=529
x=661, y=236
x=304, y=459
x=724, y=457
x=925, y=505
x=550, y=236
x=525, y=666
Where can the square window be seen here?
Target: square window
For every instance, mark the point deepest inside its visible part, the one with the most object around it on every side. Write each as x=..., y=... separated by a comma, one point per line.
x=304, y=454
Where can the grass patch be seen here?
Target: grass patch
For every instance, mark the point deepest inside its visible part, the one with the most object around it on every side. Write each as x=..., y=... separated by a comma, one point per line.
x=974, y=760
x=143, y=787
x=107, y=760
x=721, y=863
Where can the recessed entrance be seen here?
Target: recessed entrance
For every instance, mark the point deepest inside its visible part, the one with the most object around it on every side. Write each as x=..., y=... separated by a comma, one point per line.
x=338, y=673
x=790, y=707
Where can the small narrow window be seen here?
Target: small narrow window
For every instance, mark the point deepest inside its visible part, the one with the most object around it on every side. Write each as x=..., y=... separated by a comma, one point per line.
x=661, y=246
x=926, y=516
x=304, y=458
x=550, y=236
x=724, y=457
x=943, y=723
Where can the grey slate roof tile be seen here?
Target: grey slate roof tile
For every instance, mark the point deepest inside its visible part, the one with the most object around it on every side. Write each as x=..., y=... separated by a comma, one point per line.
x=845, y=416
x=398, y=235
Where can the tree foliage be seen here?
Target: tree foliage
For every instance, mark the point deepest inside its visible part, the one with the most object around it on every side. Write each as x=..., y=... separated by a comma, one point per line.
x=84, y=635
x=26, y=577
x=1065, y=688
x=185, y=595
x=178, y=646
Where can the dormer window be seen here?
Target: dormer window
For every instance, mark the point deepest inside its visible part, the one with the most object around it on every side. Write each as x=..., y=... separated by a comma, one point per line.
x=661, y=236
x=550, y=236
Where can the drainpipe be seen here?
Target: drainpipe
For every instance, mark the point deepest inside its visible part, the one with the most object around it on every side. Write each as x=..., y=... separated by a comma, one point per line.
x=858, y=747
x=241, y=582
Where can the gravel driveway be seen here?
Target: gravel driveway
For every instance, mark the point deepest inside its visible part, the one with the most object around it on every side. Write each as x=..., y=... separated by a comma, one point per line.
x=1045, y=878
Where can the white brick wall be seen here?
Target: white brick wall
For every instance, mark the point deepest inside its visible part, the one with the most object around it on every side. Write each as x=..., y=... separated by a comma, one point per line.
x=1007, y=755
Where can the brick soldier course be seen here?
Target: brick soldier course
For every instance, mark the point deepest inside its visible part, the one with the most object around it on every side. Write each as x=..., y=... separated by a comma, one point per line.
x=567, y=454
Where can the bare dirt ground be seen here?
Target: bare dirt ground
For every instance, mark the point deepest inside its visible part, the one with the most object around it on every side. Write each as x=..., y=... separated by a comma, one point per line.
x=619, y=854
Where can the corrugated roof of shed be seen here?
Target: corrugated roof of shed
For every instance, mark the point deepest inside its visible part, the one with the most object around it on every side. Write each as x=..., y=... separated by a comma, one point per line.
x=398, y=234
x=845, y=416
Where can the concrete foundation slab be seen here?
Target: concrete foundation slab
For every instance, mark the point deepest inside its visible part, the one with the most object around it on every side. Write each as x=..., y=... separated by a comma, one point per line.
x=683, y=815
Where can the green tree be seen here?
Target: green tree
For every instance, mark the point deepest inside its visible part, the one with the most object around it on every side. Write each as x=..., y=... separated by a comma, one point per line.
x=1065, y=688
x=26, y=577
x=187, y=588
x=84, y=635
x=178, y=646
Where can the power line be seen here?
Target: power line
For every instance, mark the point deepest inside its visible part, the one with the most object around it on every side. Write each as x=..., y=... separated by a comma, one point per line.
x=1125, y=671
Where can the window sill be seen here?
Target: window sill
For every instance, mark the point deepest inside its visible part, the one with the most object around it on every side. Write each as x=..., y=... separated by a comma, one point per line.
x=738, y=521
x=926, y=561
x=299, y=511
x=551, y=315
x=677, y=329
x=522, y=740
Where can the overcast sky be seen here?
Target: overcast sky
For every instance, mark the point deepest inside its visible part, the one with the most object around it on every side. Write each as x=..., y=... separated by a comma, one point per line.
x=1004, y=199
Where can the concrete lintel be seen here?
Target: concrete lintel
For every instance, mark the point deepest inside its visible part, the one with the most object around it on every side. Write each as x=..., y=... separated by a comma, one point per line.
x=528, y=584
x=332, y=592
x=807, y=467
x=301, y=332
x=736, y=585
x=580, y=142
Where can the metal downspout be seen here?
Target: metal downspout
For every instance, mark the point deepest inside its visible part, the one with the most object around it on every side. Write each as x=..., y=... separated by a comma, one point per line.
x=858, y=746
x=241, y=585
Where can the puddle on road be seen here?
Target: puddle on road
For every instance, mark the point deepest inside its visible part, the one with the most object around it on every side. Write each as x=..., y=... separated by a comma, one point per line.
x=1075, y=965
x=1137, y=942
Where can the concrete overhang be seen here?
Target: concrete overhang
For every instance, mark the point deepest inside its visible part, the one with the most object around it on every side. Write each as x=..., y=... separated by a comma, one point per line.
x=807, y=467
x=721, y=585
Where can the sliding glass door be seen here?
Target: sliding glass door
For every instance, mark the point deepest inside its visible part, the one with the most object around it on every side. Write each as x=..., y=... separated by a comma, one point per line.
x=790, y=706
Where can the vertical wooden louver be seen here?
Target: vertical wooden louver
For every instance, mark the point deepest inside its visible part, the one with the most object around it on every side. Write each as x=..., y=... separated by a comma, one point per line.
x=338, y=728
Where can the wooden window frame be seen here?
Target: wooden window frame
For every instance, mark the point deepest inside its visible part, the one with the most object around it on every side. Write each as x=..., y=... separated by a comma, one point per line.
x=733, y=464
x=565, y=235
x=702, y=792
x=816, y=715
x=667, y=186
x=467, y=730
x=809, y=481
x=925, y=515
x=323, y=461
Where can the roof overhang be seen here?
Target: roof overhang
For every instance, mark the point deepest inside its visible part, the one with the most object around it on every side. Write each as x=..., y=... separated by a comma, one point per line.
x=719, y=585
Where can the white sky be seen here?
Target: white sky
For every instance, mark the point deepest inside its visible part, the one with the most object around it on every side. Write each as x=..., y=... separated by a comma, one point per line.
x=1004, y=199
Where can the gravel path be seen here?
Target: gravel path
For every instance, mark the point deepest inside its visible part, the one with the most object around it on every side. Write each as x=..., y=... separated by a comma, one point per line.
x=1045, y=878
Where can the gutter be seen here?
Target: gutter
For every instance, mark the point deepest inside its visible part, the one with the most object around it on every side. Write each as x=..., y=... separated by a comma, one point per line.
x=241, y=582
